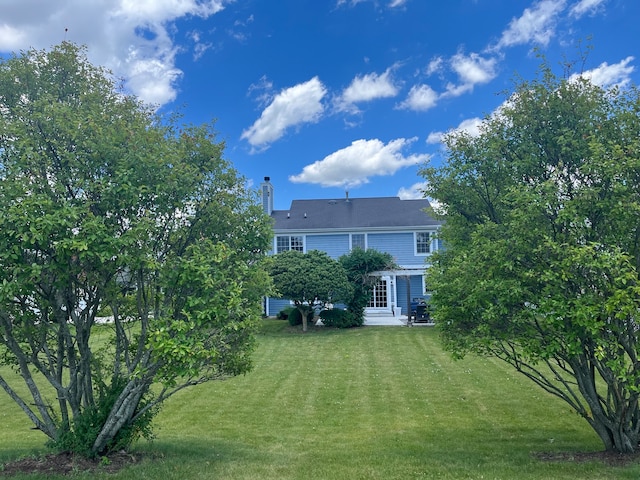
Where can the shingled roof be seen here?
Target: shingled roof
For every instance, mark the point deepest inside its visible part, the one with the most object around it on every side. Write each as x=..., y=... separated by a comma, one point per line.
x=350, y=213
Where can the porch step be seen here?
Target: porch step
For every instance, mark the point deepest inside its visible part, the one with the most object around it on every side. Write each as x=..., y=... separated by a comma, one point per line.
x=379, y=314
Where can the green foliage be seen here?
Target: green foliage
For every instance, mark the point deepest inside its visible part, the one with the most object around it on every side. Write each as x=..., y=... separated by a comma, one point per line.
x=359, y=265
x=542, y=214
x=295, y=316
x=79, y=437
x=308, y=279
x=339, y=318
x=107, y=207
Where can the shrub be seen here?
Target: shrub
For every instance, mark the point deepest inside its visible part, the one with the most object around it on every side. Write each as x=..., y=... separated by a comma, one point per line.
x=86, y=426
x=360, y=264
x=340, y=318
x=295, y=318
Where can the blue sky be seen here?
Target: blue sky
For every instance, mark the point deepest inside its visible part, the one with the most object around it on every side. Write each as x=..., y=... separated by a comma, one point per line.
x=336, y=95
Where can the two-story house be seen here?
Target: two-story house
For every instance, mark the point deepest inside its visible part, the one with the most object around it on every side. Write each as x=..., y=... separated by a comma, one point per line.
x=402, y=228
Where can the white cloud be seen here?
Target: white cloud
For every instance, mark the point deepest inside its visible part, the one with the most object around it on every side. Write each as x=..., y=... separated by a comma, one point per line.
x=586, y=7
x=153, y=78
x=414, y=192
x=154, y=11
x=352, y=3
x=456, y=90
x=200, y=49
x=349, y=2
x=262, y=91
x=353, y=165
x=420, y=98
x=536, y=25
x=133, y=38
x=435, y=137
x=366, y=88
x=471, y=126
x=606, y=75
x=293, y=106
x=471, y=69
x=435, y=65
x=11, y=38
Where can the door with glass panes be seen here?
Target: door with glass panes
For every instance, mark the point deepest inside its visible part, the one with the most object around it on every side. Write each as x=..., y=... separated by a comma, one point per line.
x=379, y=300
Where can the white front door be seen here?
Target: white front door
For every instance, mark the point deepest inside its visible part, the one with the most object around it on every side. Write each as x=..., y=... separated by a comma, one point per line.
x=380, y=297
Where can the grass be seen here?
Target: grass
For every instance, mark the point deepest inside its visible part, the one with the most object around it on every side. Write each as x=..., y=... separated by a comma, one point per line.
x=368, y=403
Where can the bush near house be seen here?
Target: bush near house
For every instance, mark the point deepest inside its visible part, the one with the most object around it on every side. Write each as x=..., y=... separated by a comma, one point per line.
x=294, y=316
x=339, y=318
x=359, y=265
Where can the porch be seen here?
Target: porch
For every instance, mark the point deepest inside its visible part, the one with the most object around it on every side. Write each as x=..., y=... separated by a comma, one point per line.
x=387, y=319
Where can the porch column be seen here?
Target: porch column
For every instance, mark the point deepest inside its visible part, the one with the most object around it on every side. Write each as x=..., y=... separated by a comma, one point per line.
x=394, y=293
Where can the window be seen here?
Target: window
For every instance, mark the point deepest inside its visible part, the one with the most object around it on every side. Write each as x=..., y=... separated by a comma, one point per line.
x=423, y=243
x=358, y=241
x=286, y=242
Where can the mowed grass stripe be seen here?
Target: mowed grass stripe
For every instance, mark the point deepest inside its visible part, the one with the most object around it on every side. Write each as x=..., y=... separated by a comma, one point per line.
x=369, y=403
x=380, y=401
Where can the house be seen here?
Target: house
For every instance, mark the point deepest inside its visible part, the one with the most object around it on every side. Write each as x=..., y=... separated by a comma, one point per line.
x=402, y=228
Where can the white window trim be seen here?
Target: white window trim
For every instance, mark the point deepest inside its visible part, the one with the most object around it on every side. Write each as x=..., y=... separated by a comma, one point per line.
x=351, y=240
x=275, y=241
x=432, y=243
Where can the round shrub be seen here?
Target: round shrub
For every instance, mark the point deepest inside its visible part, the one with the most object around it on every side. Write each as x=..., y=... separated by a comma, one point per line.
x=339, y=318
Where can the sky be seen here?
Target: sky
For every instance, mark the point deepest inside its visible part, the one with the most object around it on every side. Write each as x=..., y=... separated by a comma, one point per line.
x=333, y=96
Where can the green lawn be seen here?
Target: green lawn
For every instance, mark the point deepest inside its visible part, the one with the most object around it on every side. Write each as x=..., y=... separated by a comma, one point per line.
x=368, y=403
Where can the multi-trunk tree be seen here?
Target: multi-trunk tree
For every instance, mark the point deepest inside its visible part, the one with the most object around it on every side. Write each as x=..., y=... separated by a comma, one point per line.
x=109, y=209
x=542, y=229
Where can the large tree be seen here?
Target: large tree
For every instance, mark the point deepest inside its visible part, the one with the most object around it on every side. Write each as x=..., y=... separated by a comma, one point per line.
x=308, y=279
x=542, y=234
x=108, y=208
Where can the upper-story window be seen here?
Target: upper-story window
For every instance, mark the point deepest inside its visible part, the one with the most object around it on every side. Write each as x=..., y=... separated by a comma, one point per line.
x=358, y=240
x=423, y=243
x=289, y=242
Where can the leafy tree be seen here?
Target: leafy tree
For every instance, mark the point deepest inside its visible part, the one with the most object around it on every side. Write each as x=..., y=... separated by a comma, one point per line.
x=309, y=278
x=359, y=265
x=105, y=205
x=542, y=229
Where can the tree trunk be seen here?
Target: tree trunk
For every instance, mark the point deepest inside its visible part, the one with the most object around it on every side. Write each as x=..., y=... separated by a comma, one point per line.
x=303, y=313
x=121, y=414
x=616, y=420
x=616, y=438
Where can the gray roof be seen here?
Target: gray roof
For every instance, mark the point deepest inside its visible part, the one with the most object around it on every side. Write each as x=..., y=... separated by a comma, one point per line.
x=354, y=213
